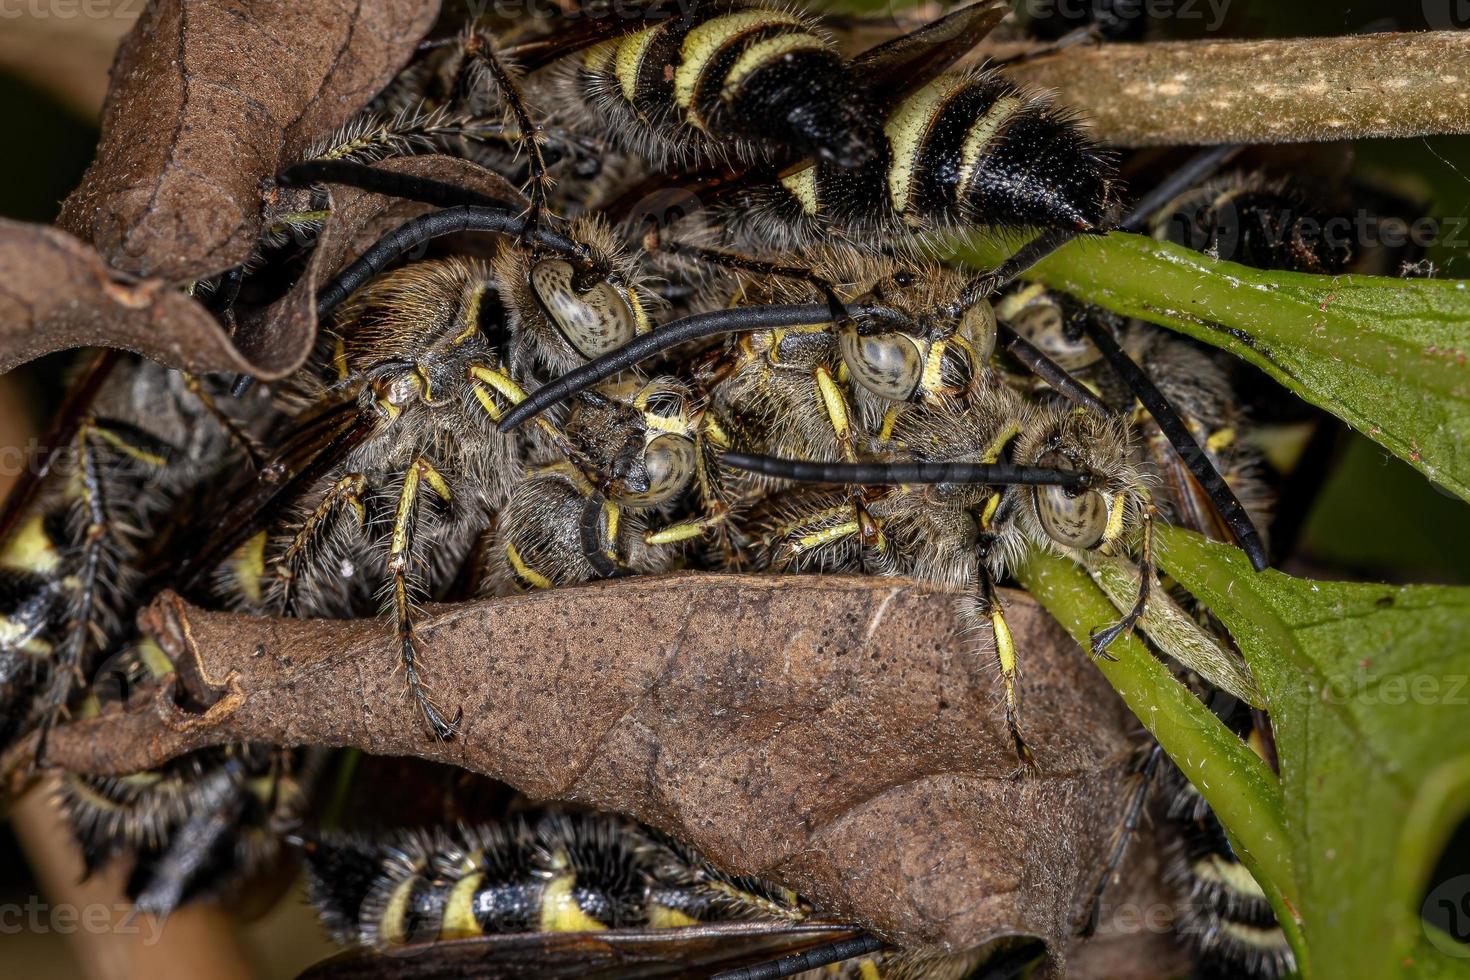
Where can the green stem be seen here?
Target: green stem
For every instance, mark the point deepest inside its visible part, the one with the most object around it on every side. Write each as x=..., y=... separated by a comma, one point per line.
x=1241, y=789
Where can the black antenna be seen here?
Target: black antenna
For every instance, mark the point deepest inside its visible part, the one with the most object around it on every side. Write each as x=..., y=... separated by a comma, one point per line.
x=1179, y=436
x=451, y=221
x=1199, y=166
x=1049, y=371
x=892, y=474
x=389, y=183
x=696, y=327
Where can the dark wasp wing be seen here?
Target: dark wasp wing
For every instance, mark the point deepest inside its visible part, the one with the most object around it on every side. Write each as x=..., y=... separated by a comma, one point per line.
x=620, y=954
x=896, y=67
x=74, y=407
x=587, y=25
x=318, y=442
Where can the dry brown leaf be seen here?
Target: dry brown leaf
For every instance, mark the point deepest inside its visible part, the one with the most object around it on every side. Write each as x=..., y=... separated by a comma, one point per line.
x=824, y=732
x=56, y=294
x=357, y=219
x=208, y=98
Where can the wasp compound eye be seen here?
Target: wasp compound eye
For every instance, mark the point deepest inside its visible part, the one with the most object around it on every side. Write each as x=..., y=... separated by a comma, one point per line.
x=593, y=321
x=887, y=364
x=1071, y=518
x=978, y=327
x=668, y=464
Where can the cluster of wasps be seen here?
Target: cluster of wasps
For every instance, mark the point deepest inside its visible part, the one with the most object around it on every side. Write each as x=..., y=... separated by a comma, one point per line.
x=778, y=378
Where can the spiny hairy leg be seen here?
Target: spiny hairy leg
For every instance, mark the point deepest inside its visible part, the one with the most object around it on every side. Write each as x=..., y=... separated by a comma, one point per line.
x=1005, y=653
x=399, y=557
x=480, y=50
x=346, y=491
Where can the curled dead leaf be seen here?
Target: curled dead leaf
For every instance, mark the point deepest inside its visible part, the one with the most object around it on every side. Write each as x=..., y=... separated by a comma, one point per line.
x=357, y=219
x=207, y=99
x=56, y=293
x=824, y=732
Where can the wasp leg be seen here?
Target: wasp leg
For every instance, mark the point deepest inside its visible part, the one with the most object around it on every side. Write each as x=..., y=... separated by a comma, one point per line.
x=1129, y=829
x=487, y=382
x=478, y=50
x=1103, y=638
x=1005, y=653
x=399, y=559
x=232, y=429
x=81, y=617
x=685, y=530
x=348, y=491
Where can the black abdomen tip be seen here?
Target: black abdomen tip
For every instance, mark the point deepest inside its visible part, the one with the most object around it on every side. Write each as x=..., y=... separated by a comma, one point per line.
x=1043, y=172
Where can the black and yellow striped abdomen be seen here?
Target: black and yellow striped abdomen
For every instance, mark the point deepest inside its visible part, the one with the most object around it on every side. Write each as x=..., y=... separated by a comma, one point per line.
x=966, y=149
x=731, y=81
x=558, y=874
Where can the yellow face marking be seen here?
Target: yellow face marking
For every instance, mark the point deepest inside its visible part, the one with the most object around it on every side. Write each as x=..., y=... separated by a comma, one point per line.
x=992, y=454
x=869, y=970
x=339, y=358
x=560, y=911
x=933, y=366
x=707, y=40
x=1220, y=439
x=987, y=514
x=459, y=911
x=31, y=550
x=763, y=53
x=663, y=917
x=715, y=433
x=982, y=135
x=394, y=930
x=906, y=129
x=890, y=419
x=247, y=565
x=802, y=185
x=629, y=59
x=641, y=323
x=525, y=572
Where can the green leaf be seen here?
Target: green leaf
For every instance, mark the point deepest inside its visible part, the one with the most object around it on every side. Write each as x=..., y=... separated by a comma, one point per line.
x=1368, y=688
x=1391, y=357
x=1241, y=789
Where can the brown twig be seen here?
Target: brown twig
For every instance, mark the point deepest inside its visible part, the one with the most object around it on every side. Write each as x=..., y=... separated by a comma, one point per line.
x=825, y=732
x=1278, y=91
